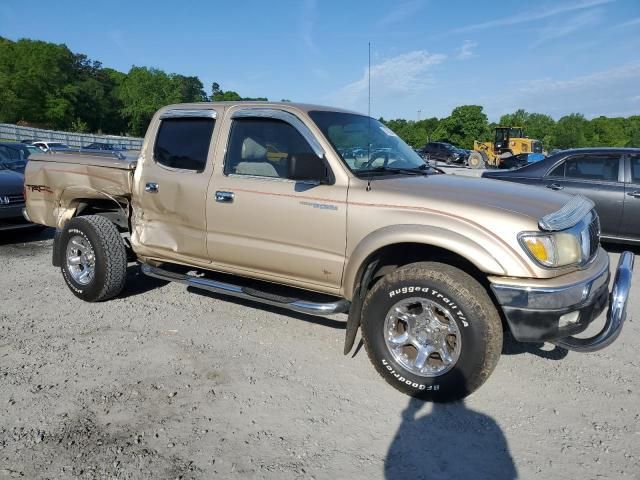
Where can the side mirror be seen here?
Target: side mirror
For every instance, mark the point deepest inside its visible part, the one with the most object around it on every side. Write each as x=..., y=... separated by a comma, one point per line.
x=308, y=166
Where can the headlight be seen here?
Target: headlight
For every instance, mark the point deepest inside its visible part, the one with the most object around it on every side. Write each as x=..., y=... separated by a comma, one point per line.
x=555, y=249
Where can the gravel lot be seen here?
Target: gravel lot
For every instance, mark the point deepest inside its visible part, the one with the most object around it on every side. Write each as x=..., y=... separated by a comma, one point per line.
x=166, y=383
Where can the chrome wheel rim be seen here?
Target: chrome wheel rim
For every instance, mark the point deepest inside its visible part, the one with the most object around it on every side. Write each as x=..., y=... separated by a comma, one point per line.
x=422, y=336
x=81, y=260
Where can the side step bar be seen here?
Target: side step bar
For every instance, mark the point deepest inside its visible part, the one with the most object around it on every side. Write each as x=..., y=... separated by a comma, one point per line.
x=223, y=288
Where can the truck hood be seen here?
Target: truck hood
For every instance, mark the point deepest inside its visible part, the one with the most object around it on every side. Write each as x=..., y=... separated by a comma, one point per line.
x=478, y=199
x=11, y=182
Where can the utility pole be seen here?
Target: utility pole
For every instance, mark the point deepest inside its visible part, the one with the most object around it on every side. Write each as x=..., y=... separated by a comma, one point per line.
x=419, y=112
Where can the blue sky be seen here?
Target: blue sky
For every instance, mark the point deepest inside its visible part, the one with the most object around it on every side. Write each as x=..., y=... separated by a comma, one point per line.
x=547, y=56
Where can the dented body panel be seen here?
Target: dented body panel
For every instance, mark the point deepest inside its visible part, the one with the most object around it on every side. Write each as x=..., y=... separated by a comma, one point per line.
x=56, y=184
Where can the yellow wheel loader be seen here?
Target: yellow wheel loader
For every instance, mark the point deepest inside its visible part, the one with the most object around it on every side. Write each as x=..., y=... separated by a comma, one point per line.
x=508, y=141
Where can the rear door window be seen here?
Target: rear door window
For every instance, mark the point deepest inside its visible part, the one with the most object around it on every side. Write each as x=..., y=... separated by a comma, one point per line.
x=593, y=167
x=183, y=143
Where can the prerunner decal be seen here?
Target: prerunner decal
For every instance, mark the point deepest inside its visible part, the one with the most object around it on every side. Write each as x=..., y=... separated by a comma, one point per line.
x=400, y=378
x=434, y=293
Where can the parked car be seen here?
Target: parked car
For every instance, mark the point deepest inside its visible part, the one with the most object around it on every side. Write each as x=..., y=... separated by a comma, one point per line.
x=14, y=155
x=445, y=152
x=12, y=199
x=51, y=146
x=520, y=160
x=610, y=177
x=103, y=146
x=426, y=265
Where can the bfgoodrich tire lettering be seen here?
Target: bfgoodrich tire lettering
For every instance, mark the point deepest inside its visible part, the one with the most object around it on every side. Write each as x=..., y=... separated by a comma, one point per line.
x=101, y=238
x=477, y=325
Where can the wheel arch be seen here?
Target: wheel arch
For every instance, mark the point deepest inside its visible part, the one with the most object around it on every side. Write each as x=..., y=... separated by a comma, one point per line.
x=391, y=247
x=411, y=243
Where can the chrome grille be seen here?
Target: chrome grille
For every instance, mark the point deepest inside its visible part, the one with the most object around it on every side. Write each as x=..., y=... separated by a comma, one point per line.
x=11, y=200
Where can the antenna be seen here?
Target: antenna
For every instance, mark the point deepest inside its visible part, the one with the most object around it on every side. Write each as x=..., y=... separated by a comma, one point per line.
x=369, y=119
x=369, y=75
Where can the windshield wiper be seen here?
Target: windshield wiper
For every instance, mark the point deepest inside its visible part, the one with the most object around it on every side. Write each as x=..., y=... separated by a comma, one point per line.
x=421, y=170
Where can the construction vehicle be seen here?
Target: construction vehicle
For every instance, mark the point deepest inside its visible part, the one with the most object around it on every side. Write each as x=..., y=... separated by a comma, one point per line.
x=508, y=141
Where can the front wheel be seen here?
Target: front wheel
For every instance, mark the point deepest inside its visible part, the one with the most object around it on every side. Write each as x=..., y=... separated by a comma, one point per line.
x=477, y=159
x=431, y=331
x=93, y=258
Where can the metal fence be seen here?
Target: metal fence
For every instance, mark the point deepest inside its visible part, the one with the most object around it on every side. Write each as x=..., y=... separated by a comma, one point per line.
x=75, y=140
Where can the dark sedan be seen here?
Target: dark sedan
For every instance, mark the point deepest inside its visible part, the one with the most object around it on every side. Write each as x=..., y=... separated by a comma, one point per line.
x=608, y=176
x=103, y=146
x=445, y=152
x=11, y=200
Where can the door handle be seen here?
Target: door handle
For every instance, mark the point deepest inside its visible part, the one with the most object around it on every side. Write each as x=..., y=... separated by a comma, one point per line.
x=554, y=186
x=635, y=194
x=224, y=197
x=151, y=187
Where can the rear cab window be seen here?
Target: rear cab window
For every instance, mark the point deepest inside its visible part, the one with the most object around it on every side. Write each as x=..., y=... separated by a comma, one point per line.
x=182, y=143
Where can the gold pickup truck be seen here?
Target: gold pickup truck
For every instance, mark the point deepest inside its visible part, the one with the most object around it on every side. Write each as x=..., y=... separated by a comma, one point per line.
x=346, y=218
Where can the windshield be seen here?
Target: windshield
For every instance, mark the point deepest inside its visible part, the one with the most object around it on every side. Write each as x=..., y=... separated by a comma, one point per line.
x=58, y=145
x=365, y=144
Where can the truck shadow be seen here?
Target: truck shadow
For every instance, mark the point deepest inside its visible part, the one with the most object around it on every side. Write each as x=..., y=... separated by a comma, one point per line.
x=510, y=346
x=138, y=283
x=26, y=235
x=450, y=442
x=316, y=320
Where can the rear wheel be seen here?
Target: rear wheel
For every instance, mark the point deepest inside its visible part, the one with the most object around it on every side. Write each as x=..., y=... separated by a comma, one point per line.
x=94, y=258
x=477, y=159
x=431, y=331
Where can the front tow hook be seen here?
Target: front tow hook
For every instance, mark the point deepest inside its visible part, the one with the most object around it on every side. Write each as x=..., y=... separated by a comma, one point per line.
x=616, y=315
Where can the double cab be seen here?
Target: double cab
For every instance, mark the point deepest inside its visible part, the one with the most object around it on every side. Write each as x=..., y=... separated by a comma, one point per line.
x=258, y=201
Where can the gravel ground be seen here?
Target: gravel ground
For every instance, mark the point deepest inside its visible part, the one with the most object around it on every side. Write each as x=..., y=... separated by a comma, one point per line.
x=166, y=383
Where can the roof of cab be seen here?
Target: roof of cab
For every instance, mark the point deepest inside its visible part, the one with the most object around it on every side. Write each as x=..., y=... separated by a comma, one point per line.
x=304, y=107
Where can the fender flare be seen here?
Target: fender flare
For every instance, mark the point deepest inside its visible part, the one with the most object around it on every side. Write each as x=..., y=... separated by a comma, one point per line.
x=443, y=238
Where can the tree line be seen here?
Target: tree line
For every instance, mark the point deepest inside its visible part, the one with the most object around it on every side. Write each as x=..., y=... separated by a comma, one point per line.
x=468, y=123
x=46, y=85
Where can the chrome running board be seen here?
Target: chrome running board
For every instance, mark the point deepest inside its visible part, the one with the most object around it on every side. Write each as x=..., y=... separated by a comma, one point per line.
x=223, y=288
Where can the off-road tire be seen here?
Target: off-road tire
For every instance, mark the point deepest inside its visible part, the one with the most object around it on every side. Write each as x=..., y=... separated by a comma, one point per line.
x=477, y=319
x=110, y=258
x=477, y=160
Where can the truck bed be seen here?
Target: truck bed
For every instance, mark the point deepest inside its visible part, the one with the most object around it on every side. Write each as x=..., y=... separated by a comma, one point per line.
x=54, y=182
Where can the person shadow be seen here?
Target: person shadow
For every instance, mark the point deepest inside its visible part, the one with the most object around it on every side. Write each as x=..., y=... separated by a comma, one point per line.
x=451, y=442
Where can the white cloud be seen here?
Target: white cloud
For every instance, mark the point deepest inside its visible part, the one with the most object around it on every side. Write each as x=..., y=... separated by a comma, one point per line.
x=568, y=25
x=530, y=16
x=466, y=50
x=606, y=92
x=403, y=75
x=306, y=23
x=603, y=79
x=401, y=11
x=629, y=23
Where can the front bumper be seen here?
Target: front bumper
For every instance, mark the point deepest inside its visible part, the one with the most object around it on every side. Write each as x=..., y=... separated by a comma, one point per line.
x=540, y=312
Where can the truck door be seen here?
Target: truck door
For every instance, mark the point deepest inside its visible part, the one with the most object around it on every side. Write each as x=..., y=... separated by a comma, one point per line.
x=171, y=185
x=261, y=222
x=630, y=227
x=598, y=177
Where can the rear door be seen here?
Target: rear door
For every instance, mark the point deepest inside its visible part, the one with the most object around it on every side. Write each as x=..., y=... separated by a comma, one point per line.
x=630, y=227
x=599, y=177
x=171, y=185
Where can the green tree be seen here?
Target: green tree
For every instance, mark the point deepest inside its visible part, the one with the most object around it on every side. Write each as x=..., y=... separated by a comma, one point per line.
x=465, y=124
x=570, y=131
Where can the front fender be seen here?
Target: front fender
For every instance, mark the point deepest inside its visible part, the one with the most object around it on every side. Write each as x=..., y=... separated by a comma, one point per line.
x=484, y=257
